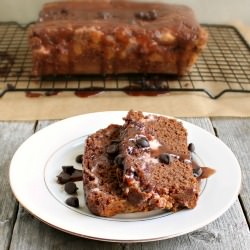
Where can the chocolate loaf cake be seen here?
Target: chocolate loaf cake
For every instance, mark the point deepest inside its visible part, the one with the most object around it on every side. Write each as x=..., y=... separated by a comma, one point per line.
x=142, y=165
x=113, y=37
x=157, y=168
x=103, y=194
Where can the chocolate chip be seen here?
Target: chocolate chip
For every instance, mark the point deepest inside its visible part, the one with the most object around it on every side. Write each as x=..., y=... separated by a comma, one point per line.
x=112, y=149
x=76, y=175
x=148, y=188
x=165, y=158
x=197, y=171
x=63, y=177
x=68, y=169
x=72, y=201
x=146, y=16
x=115, y=141
x=140, y=15
x=142, y=142
x=191, y=147
x=79, y=159
x=105, y=15
x=70, y=188
x=153, y=14
x=119, y=160
x=64, y=12
x=68, y=176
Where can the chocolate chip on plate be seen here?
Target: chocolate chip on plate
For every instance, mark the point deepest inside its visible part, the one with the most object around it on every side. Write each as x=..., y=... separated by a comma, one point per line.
x=191, y=147
x=165, y=158
x=112, y=149
x=76, y=175
x=68, y=169
x=70, y=188
x=68, y=176
x=72, y=201
x=63, y=177
x=142, y=142
x=79, y=158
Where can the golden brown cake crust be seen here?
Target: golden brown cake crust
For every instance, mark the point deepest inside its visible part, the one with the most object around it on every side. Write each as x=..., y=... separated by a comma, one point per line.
x=106, y=37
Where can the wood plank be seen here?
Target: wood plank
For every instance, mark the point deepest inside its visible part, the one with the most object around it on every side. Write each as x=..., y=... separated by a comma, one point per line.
x=12, y=134
x=235, y=132
x=30, y=233
x=230, y=231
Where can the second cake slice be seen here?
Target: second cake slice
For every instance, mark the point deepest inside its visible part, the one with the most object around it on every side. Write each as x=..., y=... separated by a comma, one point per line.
x=103, y=194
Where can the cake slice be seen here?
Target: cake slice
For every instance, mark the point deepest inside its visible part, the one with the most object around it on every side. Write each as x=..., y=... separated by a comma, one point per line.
x=103, y=194
x=157, y=168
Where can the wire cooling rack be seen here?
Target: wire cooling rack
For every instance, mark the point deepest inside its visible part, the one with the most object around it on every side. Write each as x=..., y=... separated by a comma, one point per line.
x=224, y=66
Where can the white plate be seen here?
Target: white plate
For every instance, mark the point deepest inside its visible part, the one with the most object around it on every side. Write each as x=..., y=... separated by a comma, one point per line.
x=39, y=159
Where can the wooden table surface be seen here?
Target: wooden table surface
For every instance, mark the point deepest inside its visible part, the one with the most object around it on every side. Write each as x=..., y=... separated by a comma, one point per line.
x=20, y=230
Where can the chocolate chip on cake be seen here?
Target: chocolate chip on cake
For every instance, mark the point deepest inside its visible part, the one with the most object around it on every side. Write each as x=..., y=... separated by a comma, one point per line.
x=72, y=201
x=142, y=142
x=64, y=11
x=197, y=171
x=147, y=15
x=70, y=188
x=115, y=141
x=153, y=14
x=165, y=158
x=119, y=160
x=191, y=147
x=112, y=149
x=68, y=169
x=79, y=159
x=105, y=15
x=140, y=15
